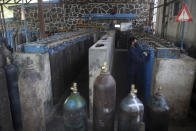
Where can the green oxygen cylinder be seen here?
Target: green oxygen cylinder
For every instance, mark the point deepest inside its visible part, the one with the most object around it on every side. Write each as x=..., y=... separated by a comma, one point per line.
x=75, y=111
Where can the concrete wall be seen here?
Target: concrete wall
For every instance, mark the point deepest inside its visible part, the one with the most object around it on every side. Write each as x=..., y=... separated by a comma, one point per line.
x=67, y=14
x=176, y=76
x=173, y=30
x=101, y=51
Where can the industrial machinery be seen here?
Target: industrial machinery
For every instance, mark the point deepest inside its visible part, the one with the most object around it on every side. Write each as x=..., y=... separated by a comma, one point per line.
x=104, y=101
x=131, y=113
x=75, y=111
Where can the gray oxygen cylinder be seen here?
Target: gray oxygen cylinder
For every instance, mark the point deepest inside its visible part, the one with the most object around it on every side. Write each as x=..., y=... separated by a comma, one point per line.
x=12, y=84
x=5, y=113
x=131, y=113
x=31, y=98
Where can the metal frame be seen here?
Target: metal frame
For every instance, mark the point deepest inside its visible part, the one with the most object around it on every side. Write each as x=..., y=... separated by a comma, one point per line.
x=100, y=1
x=166, y=4
x=2, y=19
x=3, y=2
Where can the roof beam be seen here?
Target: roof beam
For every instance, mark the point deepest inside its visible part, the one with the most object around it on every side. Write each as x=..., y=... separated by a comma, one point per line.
x=7, y=1
x=166, y=4
x=3, y=2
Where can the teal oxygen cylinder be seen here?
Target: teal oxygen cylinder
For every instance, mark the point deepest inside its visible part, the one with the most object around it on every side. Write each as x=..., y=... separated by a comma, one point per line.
x=75, y=111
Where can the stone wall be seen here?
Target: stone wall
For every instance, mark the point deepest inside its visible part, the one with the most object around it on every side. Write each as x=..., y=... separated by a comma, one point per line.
x=65, y=15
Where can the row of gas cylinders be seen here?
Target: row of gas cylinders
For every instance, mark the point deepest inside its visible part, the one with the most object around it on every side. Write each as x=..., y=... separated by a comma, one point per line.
x=9, y=88
x=25, y=100
x=26, y=103
x=131, y=115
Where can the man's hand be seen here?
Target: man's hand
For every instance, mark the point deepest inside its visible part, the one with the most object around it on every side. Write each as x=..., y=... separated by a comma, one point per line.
x=145, y=53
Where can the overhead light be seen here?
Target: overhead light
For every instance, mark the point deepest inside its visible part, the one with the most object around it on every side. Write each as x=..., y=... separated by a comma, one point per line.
x=117, y=25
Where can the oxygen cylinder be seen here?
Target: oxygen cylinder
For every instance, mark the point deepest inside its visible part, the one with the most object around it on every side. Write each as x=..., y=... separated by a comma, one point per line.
x=5, y=113
x=75, y=111
x=12, y=83
x=4, y=51
x=30, y=98
x=157, y=114
x=131, y=113
x=104, y=100
x=2, y=59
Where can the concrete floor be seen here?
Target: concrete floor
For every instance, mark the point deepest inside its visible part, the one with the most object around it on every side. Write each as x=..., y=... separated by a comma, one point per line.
x=120, y=66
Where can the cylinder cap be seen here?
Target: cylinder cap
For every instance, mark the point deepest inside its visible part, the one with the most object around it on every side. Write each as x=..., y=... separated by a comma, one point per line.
x=29, y=65
x=74, y=88
x=8, y=61
x=133, y=90
x=104, y=67
x=29, y=61
x=160, y=90
x=159, y=93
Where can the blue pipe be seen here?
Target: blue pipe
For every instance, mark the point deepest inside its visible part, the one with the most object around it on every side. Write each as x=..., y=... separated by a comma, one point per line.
x=182, y=43
x=108, y=16
x=44, y=48
x=183, y=29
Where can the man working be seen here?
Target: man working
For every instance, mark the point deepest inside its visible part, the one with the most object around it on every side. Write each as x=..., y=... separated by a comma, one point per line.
x=135, y=58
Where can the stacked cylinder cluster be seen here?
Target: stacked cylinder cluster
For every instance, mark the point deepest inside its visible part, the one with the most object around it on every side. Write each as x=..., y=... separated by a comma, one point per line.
x=66, y=54
x=156, y=40
x=163, y=47
x=46, y=69
x=7, y=90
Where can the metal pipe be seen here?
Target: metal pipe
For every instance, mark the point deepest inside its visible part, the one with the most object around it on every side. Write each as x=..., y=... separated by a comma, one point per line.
x=4, y=25
x=25, y=23
x=13, y=2
x=41, y=18
x=163, y=19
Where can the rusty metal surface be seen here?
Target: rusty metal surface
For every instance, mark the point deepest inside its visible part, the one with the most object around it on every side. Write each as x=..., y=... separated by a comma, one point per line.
x=41, y=18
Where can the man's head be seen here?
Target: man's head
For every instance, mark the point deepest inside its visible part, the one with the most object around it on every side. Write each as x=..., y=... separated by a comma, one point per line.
x=132, y=40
